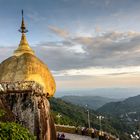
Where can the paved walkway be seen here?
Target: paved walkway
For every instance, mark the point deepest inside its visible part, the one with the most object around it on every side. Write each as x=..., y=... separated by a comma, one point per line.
x=77, y=137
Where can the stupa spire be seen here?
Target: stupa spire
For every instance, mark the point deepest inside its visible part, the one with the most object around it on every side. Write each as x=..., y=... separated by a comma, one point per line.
x=23, y=28
x=23, y=46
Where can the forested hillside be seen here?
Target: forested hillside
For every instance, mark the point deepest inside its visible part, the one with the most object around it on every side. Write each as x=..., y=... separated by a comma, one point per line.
x=130, y=106
x=75, y=115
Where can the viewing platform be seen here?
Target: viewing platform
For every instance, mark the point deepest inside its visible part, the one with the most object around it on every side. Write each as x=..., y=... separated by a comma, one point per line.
x=72, y=132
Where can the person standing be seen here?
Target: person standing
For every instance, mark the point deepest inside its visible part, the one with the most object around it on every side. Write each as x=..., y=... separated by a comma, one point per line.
x=92, y=133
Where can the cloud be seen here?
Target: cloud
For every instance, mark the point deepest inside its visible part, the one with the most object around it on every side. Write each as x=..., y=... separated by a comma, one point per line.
x=83, y=40
x=112, y=49
x=59, y=32
x=98, y=71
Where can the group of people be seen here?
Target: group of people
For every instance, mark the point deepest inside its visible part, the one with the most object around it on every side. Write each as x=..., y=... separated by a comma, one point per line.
x=101, y=135
x=104, y=137
x=61, y=136
x=94, y=133
x=84, y=131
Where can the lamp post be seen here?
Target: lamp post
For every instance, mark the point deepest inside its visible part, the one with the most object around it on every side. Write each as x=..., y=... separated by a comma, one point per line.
x=139, y=126
x=100, y=121
x=88, y=118
x=58, y=116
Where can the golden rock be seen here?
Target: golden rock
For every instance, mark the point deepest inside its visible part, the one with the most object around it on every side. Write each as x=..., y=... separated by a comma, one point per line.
x=25, y=66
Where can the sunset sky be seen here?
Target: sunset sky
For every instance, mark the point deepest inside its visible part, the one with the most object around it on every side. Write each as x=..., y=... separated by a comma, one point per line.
x=85, y=43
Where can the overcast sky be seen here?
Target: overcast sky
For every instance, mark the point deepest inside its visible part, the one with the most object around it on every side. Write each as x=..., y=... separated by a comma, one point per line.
x=85, y=43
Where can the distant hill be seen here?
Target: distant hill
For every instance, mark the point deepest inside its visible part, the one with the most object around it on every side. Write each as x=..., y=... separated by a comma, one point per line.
x=93, y=102
x=115, y=93
x=130, y=106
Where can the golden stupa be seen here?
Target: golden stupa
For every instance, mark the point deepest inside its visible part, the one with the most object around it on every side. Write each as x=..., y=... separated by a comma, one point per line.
x=25, y=66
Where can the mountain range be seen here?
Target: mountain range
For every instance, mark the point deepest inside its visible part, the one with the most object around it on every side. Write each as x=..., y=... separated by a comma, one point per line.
x=92, y=102
x=115, y=93
x=130, y=105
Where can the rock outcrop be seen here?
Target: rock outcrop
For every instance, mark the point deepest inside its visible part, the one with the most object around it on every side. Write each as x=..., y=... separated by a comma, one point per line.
x=27, y=102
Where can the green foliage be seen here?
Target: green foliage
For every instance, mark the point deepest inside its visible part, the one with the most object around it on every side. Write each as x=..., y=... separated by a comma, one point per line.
x=2, y=113
x=14, y=131
x=70, y=114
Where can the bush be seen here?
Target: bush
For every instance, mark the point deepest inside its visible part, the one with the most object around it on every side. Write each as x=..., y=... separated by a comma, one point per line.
x=14, y=131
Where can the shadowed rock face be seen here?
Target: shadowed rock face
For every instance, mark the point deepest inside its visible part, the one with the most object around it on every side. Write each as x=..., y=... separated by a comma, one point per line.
x=8, y=114
x=32, y=110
